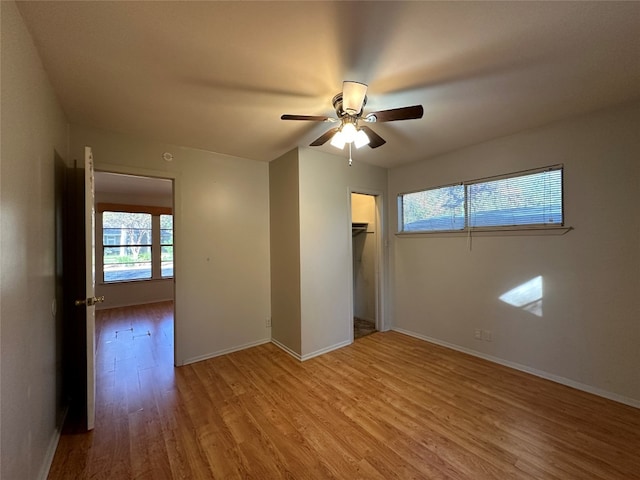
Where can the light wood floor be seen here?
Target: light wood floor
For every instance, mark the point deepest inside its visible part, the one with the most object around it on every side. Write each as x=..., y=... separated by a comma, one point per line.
x=388, y=406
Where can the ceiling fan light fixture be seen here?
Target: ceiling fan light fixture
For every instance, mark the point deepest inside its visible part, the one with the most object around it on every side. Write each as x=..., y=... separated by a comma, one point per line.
x=338, y=140
x=349, y=106
x=361, y=139
x=349, y=132
x=353, y=97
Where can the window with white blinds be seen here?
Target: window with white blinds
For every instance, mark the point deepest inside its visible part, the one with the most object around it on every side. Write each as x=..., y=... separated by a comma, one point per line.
x=438, y=209
x=526, y=199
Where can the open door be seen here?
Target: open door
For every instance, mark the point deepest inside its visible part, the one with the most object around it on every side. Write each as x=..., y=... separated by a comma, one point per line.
x=79, y=278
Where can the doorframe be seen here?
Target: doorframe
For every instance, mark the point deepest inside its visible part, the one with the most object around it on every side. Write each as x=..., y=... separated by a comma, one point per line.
x=380, y=259
x=177, y=207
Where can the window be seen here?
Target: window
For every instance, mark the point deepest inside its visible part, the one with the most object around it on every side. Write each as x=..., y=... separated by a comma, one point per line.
x=166, y=245
x=532, y=199
x=137, y=243
x=434, y=210
x=127, y=251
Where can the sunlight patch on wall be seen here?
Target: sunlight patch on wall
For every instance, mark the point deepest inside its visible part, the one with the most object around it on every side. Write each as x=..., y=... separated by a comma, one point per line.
x=527, y=296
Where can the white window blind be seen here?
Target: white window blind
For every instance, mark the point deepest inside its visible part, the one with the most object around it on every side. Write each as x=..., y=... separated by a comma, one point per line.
x=531, y=199
x=438, y=209
x=524, y=199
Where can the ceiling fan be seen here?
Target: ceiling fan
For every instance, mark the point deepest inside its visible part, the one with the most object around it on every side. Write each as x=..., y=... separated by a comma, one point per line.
x=349, y=105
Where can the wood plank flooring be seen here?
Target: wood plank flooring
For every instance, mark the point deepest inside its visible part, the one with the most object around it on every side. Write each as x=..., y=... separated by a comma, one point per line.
x=387, y=407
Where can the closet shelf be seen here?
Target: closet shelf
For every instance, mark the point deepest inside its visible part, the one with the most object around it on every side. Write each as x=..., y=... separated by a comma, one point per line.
x=358, y=228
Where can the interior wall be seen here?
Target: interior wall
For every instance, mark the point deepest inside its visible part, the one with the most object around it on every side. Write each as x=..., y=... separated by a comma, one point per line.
x=588, y=332
x=326, y=182
x=130, y=293
x=285, y=252
x=221, y=232
x=364, y=250
x=33, y=126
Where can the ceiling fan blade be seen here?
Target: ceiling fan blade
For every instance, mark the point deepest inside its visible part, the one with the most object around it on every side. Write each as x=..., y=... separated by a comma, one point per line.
x=403, y=113
x=322, y=139
x=311, y=118
x=375, y=140
x=353, y=95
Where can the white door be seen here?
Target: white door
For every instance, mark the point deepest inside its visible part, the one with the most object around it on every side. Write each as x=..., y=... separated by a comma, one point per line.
x=79, y=287
x=90, y=284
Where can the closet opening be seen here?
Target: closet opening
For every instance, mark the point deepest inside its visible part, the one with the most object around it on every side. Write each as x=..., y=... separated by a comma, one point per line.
x=366, y=256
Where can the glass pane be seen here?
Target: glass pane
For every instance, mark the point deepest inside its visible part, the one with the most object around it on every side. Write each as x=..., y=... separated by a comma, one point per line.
x=126, y=272
x=124, y=228
x=166, y=253
x=434, y=210
x=166, y=229
x=127, y=263
x=166, y=237
x=131, y=254
x=166, y=221
x=167, y=262
x=533, y=199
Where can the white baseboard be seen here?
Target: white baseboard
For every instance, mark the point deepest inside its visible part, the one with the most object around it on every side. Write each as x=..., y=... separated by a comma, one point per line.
x=207, y=356
x=322, y=351
x=51, y=449
x=283, y=347
x=308, y=356
x=523, y=368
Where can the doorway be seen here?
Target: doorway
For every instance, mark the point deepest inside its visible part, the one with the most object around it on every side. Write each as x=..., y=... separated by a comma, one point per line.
x=365, y=249
x=134, y=269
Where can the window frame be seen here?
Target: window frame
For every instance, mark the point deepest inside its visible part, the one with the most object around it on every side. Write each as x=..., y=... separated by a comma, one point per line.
x=542, y=228
x=148, y=245
x=162, y=245
x=155, y=247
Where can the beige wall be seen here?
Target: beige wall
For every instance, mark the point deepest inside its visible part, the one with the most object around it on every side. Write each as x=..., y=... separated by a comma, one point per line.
x=589, y=332
x=285, y=252
x=221, y=231
x=33, y=126
x=326, y=183
x=311, y=262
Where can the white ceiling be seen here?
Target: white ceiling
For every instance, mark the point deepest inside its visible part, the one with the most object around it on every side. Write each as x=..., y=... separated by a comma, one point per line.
x=218, y=75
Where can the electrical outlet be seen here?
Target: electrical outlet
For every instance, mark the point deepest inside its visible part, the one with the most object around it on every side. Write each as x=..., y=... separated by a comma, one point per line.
x=486, y=335
x=268, y=322
x=478, y=334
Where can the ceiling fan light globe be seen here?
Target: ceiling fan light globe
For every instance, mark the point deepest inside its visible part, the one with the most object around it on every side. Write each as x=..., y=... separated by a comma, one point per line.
x=353, y=97
x=349, y=132
x=338, y=140
x=361, y=139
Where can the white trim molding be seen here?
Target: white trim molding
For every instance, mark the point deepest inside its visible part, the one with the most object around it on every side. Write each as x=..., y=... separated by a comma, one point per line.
x=207, y=356
x=523, y=368
x=53, y=446
x=328, y=349
x=286, y=349
x=309, y=356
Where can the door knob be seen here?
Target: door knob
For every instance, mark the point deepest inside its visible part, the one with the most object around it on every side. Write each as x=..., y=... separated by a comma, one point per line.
x=90, y=301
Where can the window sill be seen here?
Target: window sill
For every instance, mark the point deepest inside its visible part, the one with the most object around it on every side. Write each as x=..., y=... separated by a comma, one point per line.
x=140, y=280
x=491, y=232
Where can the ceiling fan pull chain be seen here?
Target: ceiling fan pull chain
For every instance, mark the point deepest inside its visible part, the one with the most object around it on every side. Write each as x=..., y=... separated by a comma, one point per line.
x=350, y=159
